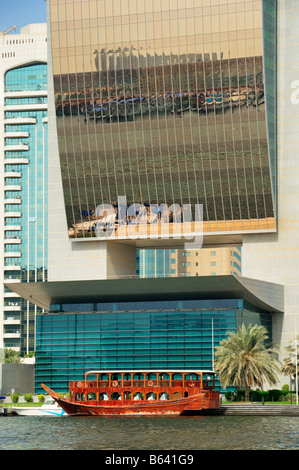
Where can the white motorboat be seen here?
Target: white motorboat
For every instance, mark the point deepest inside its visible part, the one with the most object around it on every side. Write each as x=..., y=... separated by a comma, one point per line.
x=49, y=408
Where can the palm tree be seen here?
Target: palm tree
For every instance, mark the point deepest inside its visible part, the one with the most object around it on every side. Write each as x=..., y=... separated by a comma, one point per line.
x=244, y=358
x=290, y=362
x=11, y=356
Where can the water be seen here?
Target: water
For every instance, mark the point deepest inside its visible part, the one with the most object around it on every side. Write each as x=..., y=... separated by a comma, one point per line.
x=149, y=433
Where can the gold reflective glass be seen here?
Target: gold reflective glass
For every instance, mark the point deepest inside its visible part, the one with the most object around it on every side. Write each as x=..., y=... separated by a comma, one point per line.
x=162, y=102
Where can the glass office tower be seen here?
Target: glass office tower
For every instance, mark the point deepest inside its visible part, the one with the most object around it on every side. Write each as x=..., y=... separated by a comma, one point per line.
x=165, y=334
x=23, y=155
x=167, y=102
x=26, y=191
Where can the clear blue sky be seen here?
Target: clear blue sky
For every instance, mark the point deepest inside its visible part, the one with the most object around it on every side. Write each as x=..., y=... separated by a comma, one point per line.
x=22, y=12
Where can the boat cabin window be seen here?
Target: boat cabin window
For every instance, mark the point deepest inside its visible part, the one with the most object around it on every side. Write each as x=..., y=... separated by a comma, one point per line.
x=80, y=397
x=91, y=396
x=138, y=396
x=49, y=401
x=151, y=396
x=115, y=396
x=103, y=396
x=207, y=380
x=151, y=376
x=164, y=396
x=177, y=376
x=192, y=377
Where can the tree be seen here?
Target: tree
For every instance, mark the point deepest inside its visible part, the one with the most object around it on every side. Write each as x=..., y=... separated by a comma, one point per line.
x=290, y=362
x=244, y=358
x=11, y=356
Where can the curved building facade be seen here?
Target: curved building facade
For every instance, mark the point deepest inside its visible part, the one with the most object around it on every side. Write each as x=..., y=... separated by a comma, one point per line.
x=23, y=174
x=165, y=104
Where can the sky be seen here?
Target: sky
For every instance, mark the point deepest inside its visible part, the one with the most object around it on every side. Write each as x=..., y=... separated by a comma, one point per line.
x=22, y=12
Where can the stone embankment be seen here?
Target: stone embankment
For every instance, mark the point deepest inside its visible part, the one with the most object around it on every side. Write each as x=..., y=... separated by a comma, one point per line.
x=257, y=409
x=232, y=409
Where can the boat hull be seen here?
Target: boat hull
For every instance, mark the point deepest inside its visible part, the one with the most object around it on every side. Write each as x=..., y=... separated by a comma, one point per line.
x=140, y=408
x=35, y=411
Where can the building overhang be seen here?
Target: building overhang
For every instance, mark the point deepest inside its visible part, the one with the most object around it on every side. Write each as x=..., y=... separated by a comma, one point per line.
x=264, y=295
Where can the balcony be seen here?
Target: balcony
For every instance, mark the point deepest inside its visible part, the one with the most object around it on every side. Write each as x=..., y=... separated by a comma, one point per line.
x=12, y=308
x=12, y=268
x=14, y=334
x=11, y=295
x=16, y=161
x=25, y=94
x=16, y=200
x=12, y=187
x=12, y=174
x=12, y=214
x=15, y=135
x=19, y=121
x=20, y=147
x=26, y=107
x=12, y=254
x=13, y=227
x=11, y=321
x=11, y=280
x=11, y=241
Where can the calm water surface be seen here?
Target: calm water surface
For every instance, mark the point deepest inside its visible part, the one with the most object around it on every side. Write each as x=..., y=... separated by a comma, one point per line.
x=149, y=433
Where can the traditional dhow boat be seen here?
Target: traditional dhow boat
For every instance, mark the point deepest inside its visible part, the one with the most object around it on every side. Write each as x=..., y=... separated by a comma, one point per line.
x=140, y=393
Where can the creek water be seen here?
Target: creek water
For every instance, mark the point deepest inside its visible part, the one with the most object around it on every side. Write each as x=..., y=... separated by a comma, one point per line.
x=149, y=433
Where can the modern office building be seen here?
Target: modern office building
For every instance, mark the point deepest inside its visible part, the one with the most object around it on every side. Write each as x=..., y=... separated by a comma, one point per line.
x=179, y=262
x=209, y=262
x=166, y=103
x=23, y=174
x=202, y=130
x=156, y=107
x=157, y=323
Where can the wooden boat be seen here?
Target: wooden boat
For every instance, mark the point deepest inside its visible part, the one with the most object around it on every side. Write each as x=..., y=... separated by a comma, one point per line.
x=140, y=393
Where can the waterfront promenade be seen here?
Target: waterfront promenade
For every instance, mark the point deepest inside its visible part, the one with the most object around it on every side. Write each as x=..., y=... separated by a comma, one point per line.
x=230, y=409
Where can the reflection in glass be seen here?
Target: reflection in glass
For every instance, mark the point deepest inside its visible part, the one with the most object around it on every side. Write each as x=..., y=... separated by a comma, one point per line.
x=163, y=102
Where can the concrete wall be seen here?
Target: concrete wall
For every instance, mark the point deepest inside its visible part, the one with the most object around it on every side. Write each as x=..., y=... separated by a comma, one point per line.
x=20, y=377
x=275, y=257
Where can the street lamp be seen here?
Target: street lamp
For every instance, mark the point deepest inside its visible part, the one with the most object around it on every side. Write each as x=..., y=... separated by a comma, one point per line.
x=294, y=360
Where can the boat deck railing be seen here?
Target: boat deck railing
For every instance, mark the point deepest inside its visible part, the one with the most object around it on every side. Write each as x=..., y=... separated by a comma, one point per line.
x=148, y=383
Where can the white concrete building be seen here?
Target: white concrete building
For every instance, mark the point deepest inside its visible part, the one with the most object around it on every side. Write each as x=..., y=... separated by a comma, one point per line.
x=23, y=148
x=275, y=257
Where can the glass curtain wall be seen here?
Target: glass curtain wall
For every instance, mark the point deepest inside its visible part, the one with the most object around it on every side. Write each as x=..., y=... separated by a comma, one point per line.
x=153, y=263
x=163, y=102
x=135, y=335
x=26, y=185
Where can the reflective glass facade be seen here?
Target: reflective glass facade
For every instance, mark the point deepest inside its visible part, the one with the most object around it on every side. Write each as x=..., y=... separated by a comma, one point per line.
x=135, y=335
x=167, y=102
x=25, y=188
x=153, y=263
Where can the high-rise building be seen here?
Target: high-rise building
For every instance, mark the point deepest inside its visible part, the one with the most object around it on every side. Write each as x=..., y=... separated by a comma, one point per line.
x=23, y=170
x=209, y=262
x=152, y=110
x=185, y=263
x=157, y=106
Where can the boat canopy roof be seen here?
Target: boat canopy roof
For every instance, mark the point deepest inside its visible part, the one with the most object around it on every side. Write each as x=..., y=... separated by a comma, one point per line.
x=151, y=371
